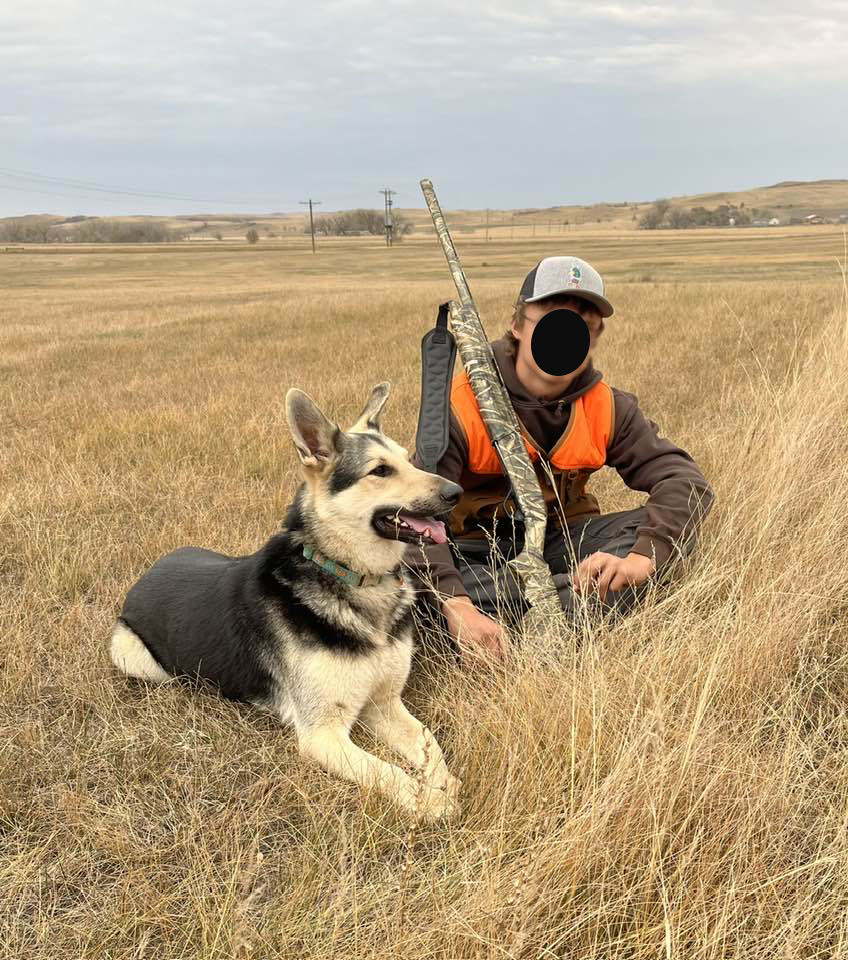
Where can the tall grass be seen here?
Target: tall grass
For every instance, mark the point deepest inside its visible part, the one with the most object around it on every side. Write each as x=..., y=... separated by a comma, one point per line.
x=675, y=787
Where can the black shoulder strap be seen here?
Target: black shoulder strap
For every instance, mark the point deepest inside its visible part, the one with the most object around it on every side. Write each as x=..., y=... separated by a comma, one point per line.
x=438, y=354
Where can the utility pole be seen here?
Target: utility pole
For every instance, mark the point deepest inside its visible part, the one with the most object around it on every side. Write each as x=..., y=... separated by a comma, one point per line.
x=312, y=203
x=387, y=219
x=487, y=224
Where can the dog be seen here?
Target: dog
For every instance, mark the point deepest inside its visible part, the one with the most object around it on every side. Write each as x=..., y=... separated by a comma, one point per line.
x=316, y=626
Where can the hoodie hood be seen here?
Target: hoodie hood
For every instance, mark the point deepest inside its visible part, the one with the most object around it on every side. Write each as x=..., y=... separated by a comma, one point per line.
x=518, y=392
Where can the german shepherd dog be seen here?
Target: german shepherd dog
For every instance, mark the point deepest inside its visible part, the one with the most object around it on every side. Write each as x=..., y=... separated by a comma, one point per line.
x=315, y=626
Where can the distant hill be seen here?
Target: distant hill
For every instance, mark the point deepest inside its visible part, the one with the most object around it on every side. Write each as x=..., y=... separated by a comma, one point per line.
x=829, y=198
x=787, y=199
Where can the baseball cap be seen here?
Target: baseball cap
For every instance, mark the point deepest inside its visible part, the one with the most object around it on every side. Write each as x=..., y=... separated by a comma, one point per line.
x=567, y=275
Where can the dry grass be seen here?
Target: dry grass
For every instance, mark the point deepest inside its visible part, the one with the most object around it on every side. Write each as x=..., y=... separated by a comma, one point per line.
x=677, y=788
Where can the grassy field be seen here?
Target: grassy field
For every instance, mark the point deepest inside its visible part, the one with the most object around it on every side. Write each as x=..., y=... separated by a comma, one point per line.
x=677, y=788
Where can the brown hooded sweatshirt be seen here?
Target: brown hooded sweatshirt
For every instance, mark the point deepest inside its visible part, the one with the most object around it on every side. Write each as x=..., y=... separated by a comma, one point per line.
x=679, y=496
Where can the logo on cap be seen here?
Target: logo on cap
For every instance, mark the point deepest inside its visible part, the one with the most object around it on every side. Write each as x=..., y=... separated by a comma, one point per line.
x=575, y=276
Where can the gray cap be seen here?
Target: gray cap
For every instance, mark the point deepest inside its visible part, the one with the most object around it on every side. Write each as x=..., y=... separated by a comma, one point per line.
x=567, y=275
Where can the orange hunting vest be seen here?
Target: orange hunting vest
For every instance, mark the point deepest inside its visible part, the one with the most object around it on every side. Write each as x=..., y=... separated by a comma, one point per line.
x=579, y=452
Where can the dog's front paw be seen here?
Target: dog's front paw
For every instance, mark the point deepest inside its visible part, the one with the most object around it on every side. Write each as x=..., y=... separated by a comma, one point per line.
x=436, y=804
x=430, y=803
x=452, y=787
x=441, y=779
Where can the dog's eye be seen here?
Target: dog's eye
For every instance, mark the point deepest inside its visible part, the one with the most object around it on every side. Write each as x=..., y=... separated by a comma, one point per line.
x=384, y=470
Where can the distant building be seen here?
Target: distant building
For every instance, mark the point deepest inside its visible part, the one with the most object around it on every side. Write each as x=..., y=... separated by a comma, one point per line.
x=774, y=222
x=843, y=217
x=759, y=223
x=814, y=218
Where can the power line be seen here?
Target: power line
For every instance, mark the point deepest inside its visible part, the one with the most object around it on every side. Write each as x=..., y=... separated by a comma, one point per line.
x=93, y=187
x=49, y=193
x=89, y=185
x=312, y=203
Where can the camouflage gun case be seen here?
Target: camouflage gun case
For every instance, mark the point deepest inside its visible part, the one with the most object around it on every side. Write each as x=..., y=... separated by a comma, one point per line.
x=502, y=424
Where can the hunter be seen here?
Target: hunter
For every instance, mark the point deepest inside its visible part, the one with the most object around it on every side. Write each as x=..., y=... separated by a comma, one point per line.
x=573, y=425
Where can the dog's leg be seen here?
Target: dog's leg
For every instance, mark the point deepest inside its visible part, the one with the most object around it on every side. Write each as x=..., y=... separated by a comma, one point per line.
x=131, y=656
x=389, y=721
x=330, y=746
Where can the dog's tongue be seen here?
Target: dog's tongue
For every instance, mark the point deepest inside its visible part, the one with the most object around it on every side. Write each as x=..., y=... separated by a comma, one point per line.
x=429, y=526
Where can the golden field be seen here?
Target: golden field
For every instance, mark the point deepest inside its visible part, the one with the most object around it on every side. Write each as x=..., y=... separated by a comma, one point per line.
x=677, y=788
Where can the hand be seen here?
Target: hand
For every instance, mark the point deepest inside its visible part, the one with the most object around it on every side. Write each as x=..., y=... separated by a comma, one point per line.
x=604, y=571
x=477, y=635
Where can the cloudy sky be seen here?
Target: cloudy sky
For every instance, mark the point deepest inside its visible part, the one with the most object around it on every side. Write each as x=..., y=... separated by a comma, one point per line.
x=109, y=107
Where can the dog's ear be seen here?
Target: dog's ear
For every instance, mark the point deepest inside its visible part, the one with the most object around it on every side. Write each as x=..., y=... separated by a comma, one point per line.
x=315, y=437
x=371, y=416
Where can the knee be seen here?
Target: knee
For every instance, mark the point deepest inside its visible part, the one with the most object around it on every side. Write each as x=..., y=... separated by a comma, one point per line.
x=565, y=590
x=682, y=551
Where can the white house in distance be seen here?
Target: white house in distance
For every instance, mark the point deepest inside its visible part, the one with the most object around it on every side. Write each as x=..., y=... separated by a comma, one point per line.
x=814, y=218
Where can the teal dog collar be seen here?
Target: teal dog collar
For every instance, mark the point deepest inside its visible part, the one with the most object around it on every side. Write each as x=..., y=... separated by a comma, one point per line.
x=350, y=577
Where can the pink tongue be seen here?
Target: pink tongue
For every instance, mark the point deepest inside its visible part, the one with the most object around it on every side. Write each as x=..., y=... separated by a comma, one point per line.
x=438, y=534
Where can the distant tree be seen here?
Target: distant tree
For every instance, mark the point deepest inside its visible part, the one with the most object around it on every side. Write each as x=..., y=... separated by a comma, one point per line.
x=43, y=231
x=701, y=217
x=662, y=214
x=218, y=235
x=350, y=223
x=98, y=230
x=403, y=226
x=89, y=230
x=252, y=236
x=29, y=230
x=655, y=216
x=679, y=219
x=740, y=216
x=353, y=223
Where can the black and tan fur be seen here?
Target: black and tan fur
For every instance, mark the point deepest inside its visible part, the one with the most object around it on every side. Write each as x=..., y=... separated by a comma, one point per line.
x=276, y=630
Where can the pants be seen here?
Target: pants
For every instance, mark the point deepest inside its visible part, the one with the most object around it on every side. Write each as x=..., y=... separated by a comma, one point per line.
x=495, y=591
